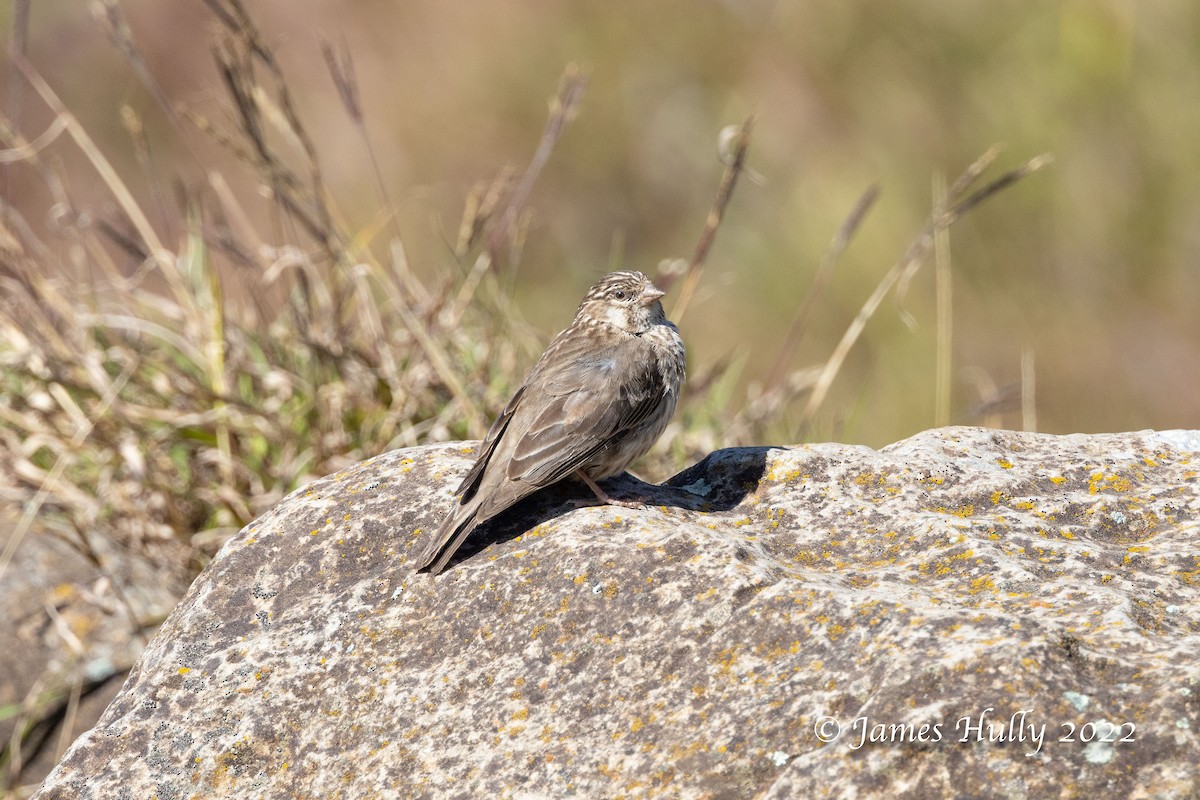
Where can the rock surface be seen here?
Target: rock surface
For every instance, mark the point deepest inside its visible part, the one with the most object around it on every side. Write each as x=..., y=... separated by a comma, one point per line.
x=997, y=614
x=71, y=627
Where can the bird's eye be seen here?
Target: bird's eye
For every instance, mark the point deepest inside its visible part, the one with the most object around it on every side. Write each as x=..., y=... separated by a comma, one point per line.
x=619, y=294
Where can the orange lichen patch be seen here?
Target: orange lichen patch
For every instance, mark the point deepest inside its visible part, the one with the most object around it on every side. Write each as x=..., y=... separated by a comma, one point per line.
x=1135, y=550
x=790, y=476
x=945, y=564
x=869, y=479
x=726, y=659
x=983, y=584
x=1099, y=481
x=1004, y=462
x=963, y=511
x=1190, y=577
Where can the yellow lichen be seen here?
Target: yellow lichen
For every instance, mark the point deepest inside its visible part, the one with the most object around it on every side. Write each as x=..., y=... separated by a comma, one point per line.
x=983, y=584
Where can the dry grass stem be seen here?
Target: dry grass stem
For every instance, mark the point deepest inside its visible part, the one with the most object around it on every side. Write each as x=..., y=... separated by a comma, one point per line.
x=943, y=282
x=841, y=240
x=563, y=108
x=111, y=179
x=941, y=218
x=735, y=163
x=1028, y=390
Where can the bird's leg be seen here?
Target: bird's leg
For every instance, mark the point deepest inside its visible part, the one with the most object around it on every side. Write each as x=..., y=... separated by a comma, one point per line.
x=602, y=495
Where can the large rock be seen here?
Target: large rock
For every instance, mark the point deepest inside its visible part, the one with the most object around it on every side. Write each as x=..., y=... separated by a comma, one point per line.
x=996, y=614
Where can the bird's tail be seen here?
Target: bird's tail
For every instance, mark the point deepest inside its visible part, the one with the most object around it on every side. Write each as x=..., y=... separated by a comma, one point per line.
x=449, y=537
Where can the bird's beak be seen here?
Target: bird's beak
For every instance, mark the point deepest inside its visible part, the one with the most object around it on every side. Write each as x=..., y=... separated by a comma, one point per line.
x=650, y=294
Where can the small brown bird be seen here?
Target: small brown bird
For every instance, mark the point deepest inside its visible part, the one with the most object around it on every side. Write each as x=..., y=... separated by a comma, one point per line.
x=596, y=400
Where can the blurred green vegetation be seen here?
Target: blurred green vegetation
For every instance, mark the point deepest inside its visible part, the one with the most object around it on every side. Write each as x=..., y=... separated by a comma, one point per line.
x=1091, y=266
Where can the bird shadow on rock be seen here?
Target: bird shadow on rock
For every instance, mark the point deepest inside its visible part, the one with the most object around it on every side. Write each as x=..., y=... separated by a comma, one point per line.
x=717, y=483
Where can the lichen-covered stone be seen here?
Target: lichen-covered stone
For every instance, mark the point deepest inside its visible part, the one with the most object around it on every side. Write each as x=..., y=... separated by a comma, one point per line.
x=1035, y=595
x=71, y=625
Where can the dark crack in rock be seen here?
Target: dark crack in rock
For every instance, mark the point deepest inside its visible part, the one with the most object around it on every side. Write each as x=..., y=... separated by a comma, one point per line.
x=965, y=613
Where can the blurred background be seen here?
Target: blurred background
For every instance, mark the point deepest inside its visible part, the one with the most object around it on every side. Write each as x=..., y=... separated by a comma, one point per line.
x=1091, y=265
x=223, y=275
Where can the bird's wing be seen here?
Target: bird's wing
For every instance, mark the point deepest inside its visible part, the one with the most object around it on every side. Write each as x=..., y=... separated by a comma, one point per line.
x=585, y=398
x=470, y=483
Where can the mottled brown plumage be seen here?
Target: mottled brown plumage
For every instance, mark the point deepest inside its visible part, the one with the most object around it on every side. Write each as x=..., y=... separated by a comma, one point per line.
x=596, y=400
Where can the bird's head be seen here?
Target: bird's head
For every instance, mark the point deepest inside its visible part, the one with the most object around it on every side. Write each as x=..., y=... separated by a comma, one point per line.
x=626, y=300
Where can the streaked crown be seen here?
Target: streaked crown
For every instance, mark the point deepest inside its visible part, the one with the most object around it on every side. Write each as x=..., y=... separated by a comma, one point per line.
x=626, y=299
x=624, y=285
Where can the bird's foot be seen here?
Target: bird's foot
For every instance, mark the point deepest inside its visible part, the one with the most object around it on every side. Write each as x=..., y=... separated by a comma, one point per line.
x=602, y=495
